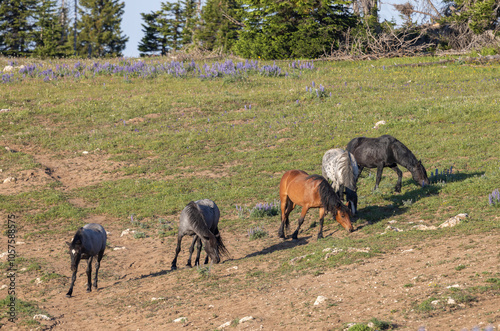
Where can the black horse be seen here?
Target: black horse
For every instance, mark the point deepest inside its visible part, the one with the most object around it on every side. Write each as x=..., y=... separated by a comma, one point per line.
x=387, y=151
x=89, y=241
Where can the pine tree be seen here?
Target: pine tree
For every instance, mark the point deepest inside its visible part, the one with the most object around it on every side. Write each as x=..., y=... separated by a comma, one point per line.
x=16, y=27
x=99, y=31
x=152, y=42
x=479, y=15
x=292, y=29
x=171, y=24
x=217, y=30
x=190, y=18
x=50, y=31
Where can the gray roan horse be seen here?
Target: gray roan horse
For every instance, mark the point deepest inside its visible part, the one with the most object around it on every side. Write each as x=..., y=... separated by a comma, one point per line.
x=89, y=241
x=340, y=167
x=199, y=219
x=387, y=151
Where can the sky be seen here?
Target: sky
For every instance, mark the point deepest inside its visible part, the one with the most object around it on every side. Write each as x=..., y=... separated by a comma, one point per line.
x=132, y=20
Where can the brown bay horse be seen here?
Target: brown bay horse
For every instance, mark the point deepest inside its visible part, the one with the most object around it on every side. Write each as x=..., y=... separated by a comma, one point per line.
x=298, y=188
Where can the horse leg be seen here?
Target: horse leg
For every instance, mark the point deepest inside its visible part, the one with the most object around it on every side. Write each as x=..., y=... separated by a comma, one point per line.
x=191, y=250
x=177, y=250
x=198, y=253
x=380, y=168
x=73, y=279
x=400, y=178
x=322, y=213
x=301, y=220
x=97, y=266
x=286, y=208
x=89, y=274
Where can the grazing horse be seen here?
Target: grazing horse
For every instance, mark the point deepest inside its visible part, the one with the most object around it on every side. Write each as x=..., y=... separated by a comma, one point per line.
x=89, y=241
x=298, y=188
x=341, y=168
x=199, y=219
x=387, y=151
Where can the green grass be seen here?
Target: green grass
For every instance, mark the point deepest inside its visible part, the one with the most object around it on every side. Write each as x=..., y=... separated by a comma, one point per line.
x=175, y=140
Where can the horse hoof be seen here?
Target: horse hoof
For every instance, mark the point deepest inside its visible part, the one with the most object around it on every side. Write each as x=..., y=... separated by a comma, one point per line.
x=173, y=267
x=68, y=295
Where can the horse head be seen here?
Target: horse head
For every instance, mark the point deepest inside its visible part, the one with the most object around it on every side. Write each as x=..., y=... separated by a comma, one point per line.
x=343, y=216
x=211, y=248
x=420, y=175
x=75, y=252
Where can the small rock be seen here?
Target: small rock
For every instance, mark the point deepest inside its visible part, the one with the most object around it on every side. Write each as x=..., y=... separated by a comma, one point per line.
x=435, y=302
x=451, y=301
x=423, y=227
x=319, y=300
x=157, y=299
x=453, y=286
x=3, y=286
x=4, y=110
x=8, y=68
x=454, y=221
x=232, y=268
x=9, y=180
x=393, y=228
x=85, y=152
x=246, y=319
x=225, y=325
x=3, y=255
x=117, y=248
x=41, y=317
x=20, y=243
x=379, y=123
x=127, y=232
x=298, y=258
x=38, y=281
x=180, y=320
x=392, y=222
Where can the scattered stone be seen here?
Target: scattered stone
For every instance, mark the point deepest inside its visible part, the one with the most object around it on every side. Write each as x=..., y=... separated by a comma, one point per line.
x=451, y=301
x=319, y=300
x=180, y=320
x=8, y=68
x=225, y=325
x=453, y=286
x=38, y=281
x=20, y=243
x=423, y=227
x=85, y=152
x=435, y=302
x=3, y=255
x=379, y=123
x=117, y=248
x=157, y=299
x=9, y=180
x=232, y=268
x=454, y=221
x=298, y=258
x=42, y=317
x=246, y=319
x=407, y=250
x=3, y=286
x=4, y=110
x=127, y=232
x=392, y=222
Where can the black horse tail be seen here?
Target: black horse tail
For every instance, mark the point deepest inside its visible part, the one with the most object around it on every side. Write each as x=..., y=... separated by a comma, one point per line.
x=329, y=199
x=221, y=248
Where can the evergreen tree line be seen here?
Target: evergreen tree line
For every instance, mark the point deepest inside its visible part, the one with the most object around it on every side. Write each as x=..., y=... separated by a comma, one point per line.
x=269, y=29
x=43, y=28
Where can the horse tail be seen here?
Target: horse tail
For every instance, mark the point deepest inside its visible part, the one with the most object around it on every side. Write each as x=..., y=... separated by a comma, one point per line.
x=347, y=171
x=329, y=199
x=220, y=245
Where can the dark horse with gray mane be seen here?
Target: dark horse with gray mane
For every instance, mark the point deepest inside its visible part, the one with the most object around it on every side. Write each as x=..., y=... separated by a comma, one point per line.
x=387, y=151
x=199, y=219
x=89, y=241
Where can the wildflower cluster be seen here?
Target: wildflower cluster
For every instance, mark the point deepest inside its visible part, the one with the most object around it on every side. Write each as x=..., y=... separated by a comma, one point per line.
x=256, y=233
x=150, y=69
x=317, y=92
x=494, y=198
x=442, y=178
x=264, y=209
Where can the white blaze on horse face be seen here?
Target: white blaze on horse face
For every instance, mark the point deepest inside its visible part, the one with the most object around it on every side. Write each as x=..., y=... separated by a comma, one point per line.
x=73, y=251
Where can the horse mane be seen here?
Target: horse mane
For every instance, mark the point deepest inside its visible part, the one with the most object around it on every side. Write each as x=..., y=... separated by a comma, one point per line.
x=78, y=238
x=200, y=227
x=329, y=199
x=403, y=155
